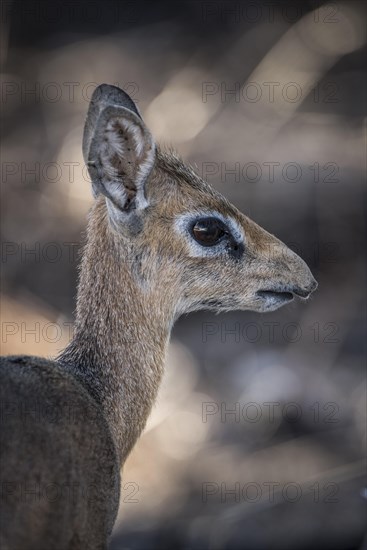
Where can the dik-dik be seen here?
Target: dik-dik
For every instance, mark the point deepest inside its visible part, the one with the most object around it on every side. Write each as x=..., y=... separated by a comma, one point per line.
x=161, y=242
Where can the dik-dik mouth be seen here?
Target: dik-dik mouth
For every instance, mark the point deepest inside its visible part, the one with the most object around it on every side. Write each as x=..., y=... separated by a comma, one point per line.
x=275, y=296
x=284, y=295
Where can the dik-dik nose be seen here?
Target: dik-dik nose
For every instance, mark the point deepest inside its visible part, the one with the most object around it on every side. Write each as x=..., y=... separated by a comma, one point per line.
x=297, y=277
x=294, y=280
x=305, y=291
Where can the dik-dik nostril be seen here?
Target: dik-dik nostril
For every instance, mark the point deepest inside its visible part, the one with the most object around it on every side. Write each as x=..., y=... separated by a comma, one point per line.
x=304, y=292
x=313, y=286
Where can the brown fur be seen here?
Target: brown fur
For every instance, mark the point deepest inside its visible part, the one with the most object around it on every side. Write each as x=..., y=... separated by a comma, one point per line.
x=137, y=276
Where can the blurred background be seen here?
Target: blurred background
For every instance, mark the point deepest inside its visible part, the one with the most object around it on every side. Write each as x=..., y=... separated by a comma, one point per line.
x=258, y=437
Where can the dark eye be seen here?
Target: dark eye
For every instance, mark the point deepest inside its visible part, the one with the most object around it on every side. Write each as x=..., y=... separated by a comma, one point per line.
x=208, y=231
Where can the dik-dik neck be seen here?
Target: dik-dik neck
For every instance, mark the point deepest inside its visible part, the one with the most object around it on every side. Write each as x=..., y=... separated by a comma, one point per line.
x=121, y=333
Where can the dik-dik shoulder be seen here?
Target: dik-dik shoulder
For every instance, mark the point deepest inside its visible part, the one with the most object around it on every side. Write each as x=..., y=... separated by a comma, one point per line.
x=60, y=459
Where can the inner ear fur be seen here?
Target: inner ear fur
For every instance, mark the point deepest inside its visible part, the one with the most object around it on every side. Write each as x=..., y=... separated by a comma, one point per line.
x=120, y=154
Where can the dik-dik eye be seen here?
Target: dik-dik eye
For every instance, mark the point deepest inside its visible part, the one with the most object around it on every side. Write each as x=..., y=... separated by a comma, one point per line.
x=208, y=231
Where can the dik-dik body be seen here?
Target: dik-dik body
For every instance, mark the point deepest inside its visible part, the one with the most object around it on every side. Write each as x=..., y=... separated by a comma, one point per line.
x=161, y=242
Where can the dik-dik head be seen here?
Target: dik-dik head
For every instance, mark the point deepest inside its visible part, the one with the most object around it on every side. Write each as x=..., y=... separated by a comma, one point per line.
x=186, y=239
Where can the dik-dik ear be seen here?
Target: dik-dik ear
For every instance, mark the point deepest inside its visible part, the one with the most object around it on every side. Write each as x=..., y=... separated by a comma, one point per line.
x=118, y=149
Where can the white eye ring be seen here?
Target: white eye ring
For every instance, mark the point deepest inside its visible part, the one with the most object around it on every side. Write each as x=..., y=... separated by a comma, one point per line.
x=184, y=223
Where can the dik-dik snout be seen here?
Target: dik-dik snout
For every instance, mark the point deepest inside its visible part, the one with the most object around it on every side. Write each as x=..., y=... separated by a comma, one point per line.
x=187, y=244
x=281, y=274
x=232, y=263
